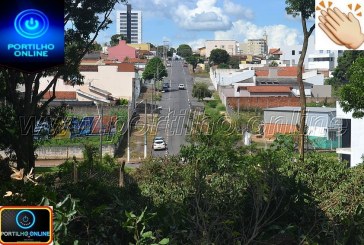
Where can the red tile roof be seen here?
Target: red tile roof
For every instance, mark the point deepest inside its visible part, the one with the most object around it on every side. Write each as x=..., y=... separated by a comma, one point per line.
x=261, y=73
x=269, y=89
x=289, y=71
x=61, y=95
x=275, y=51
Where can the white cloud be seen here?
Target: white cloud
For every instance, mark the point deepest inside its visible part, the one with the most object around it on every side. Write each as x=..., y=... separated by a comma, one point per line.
x=205, y=16
x=237, y=10
x=197, y=43
x=278, y=35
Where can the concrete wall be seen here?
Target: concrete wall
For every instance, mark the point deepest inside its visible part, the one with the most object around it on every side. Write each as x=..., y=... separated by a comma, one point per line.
x=224, y=77
x=120, y=84
x=64, y=152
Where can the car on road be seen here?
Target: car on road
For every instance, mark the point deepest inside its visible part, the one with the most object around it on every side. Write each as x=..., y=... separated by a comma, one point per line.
x=159, y=144
x=181, y=86
x=158, y=138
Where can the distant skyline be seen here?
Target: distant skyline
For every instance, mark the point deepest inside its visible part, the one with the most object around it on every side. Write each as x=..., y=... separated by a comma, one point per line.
x=194, y=21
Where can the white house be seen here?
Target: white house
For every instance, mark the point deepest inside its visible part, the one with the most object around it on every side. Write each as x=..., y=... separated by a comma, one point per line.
x=225, y=77
x=350, y=138
x=102, y=82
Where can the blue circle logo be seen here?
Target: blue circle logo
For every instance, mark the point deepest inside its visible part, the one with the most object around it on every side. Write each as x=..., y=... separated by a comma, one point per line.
x=31, y=23
x=25, y=219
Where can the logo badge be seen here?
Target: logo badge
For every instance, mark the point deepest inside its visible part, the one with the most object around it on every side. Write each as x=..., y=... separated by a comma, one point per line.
x=31, y=23
x=27, y=225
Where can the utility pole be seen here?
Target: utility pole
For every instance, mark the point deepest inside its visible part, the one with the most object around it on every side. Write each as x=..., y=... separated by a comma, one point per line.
x=146, y=130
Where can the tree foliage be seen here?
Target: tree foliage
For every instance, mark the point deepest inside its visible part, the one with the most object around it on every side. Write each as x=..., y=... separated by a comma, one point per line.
x=352, y=93
x=219, y=56
x=155, y=69
x=116, y=38
x=184, y=50
x=96, y=47
x=341, y=73
x=201, y=90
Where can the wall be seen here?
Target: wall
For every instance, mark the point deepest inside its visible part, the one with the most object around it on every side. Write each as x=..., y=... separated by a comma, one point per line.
x=270, y=129
x=262, y=102
x=108, y=78
x=64, y=152
x=121, y=51
x=224, y=77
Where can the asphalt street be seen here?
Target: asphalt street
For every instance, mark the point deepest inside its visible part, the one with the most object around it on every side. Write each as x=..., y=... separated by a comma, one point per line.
x=175, y=111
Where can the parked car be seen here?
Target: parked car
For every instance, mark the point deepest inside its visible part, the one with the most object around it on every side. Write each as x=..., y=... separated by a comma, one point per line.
x=181, y=86
x=159, y=144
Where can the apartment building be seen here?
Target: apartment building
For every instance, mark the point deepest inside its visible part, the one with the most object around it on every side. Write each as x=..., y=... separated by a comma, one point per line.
x=136, y=25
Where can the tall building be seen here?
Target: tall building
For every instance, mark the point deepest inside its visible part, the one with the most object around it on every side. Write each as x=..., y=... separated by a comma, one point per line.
x=135, y=24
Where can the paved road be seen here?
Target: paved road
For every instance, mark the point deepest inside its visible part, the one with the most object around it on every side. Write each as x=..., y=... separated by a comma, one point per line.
x=175, y=111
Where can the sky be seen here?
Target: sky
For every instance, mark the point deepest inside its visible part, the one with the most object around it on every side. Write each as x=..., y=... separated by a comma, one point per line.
x=194, y=21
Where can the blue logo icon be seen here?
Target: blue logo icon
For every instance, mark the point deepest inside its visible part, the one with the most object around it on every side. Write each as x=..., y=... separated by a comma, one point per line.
x=25, y=219
x=31, y=23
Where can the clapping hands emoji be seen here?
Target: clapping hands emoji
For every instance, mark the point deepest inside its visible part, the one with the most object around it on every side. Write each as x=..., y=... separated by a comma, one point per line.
x=342, y=29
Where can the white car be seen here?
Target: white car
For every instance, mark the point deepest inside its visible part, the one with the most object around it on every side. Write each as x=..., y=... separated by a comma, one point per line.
x=159, y=144
x=181, y=86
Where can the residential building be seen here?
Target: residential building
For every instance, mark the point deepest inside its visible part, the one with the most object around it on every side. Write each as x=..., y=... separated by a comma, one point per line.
x=351, y=135
x=121, y=51
x=102, y=83
x=322, y=126
x=315, y=59
x=255, y=47
x=136, y=25
x=274, y=53
x=229, y=45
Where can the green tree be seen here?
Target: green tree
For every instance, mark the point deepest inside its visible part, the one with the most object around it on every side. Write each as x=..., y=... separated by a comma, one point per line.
x=341, y=73
x=352, y=93
x=155, y=69
x=194, y=60
x=201, y=90
x=171, y=51
x=273, y=64
x=234, y=62
x=219, y=56
x=305, y=9
x=116, y=38
x=184, y=50
x=96, y=47
x=88, y=18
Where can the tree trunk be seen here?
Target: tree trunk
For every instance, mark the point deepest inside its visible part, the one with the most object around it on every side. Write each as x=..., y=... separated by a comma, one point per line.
x=302, y=125
x=25, y=152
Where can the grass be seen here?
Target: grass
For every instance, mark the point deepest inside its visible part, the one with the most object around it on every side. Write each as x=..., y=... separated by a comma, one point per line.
x=79, y=141
x=43, y=170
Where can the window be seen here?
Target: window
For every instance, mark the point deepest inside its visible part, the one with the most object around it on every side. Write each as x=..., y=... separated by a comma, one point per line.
x=222, y=46
x=293, y=52
x=300, y=52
